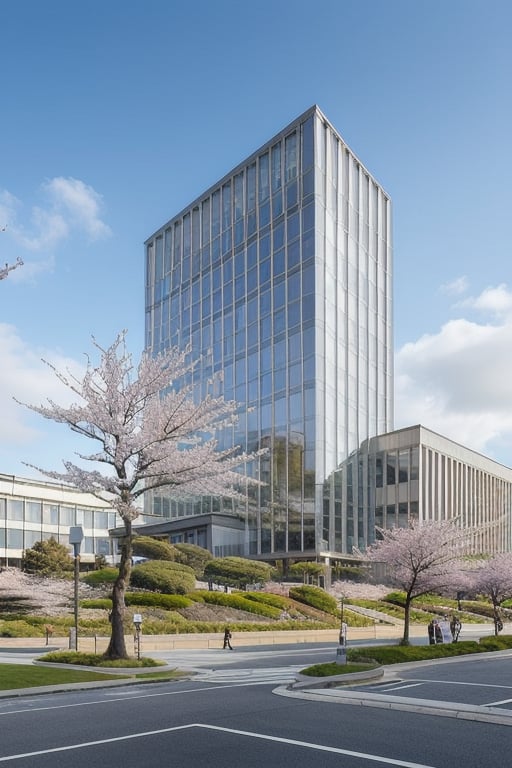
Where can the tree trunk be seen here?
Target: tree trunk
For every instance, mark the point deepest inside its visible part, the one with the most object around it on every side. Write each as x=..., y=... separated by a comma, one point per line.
x=496, y=616
x=407, y=619
x=117, y=645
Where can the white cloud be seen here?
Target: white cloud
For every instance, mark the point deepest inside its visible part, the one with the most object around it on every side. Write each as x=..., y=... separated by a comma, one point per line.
x=23, y=375
x=457, y=381
x=456, y=287
x=496, y=301
x=69, y=207
x=81, y=202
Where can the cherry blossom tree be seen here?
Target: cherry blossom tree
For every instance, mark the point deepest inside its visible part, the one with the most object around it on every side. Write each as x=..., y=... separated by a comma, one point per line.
x=4, y=271
x=151, y=432
x=493, y=578
x=420, y=559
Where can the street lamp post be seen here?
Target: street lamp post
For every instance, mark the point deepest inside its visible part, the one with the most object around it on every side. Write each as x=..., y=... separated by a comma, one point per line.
x=76, y=536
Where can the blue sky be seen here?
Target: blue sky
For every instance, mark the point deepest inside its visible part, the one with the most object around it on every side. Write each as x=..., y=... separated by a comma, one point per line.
x=116, y=115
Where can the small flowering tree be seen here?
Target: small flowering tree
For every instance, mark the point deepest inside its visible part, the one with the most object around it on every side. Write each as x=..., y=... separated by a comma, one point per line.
x=420, y=559
x=493, y=578
x=151, y=433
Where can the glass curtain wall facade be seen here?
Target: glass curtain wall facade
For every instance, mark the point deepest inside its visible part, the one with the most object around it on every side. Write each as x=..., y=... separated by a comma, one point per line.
x=280, y=278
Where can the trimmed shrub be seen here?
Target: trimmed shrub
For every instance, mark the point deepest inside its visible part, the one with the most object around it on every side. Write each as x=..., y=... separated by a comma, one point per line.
x=395, y=598
x=20, y=628
x=96, y=660
x=237, y=571
x=499, y=643
x=277, y=601
x=100, y=577
x=163, y=576
x=103, y=603
x=193, y=556
x=397, y=654
x=240, y=602
x=47, y=558
x=147, y=599
x=307, y=570
x=153, y=549
x=330, y=668
x=157, y=600
x=316, y=597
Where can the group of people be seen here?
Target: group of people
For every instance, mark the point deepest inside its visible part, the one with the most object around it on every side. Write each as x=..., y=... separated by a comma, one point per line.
x=435, y=630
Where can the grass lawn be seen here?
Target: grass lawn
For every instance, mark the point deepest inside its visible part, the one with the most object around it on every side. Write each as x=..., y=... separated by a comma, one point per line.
x=30, y=676
x=14, y=676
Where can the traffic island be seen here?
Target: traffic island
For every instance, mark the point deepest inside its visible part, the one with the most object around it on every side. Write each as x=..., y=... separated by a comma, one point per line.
x=303, y=681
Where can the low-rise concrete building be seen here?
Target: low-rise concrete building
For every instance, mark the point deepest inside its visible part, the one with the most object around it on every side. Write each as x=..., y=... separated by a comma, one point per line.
x=415, y=474
x=35, y=510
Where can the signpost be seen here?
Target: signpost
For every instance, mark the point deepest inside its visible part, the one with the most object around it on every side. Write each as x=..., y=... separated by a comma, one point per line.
x=137, y=621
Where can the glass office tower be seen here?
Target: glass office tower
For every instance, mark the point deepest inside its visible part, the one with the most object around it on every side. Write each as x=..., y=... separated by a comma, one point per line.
x=280, y=277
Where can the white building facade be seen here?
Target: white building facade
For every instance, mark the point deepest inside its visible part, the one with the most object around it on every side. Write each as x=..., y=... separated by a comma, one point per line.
x=33, y=510
x=416, y=475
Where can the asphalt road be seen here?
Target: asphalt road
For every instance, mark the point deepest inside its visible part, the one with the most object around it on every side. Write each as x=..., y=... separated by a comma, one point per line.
x=474, y=681
x=206, y=723
x=191, y=725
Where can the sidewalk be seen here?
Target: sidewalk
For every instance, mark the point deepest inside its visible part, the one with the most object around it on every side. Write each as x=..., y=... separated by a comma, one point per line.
x=98, y=644
x=18, y=647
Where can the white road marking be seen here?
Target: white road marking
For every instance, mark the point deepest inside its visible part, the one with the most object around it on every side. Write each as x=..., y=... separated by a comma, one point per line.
x=292, y=742
x=462, y=682
x=401, y=687
x=496, y=703
x=128, y=697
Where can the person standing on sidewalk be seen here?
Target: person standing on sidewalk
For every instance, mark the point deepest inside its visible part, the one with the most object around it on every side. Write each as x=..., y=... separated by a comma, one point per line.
x=227, y=639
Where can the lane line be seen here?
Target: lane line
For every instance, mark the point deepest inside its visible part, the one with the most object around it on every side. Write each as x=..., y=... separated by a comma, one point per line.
x=93, y=743
x=276, y=739
x=496, y=703
x=462, y=682
x=115, y=697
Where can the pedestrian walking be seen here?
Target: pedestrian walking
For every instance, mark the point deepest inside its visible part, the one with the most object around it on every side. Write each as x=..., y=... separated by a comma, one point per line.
x=455, y=627
x=227, y=639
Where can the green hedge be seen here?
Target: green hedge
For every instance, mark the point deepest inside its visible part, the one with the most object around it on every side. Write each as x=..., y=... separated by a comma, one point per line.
x=96, y=660
x=316, y=597
x=330, y=668
x=398, y=654
x=237, y=571
x=496, y=643
x=163, y=576
x=148, y=599
x=239, y=602
x=153, y=549
x=103, y=603
x=194, y=556
x=277, y=601
x=157, y=600
x=102, y=576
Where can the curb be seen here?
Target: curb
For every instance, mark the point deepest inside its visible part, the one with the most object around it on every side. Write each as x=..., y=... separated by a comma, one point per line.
x=305, y=682
x=329, y=690
x=418, y=706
